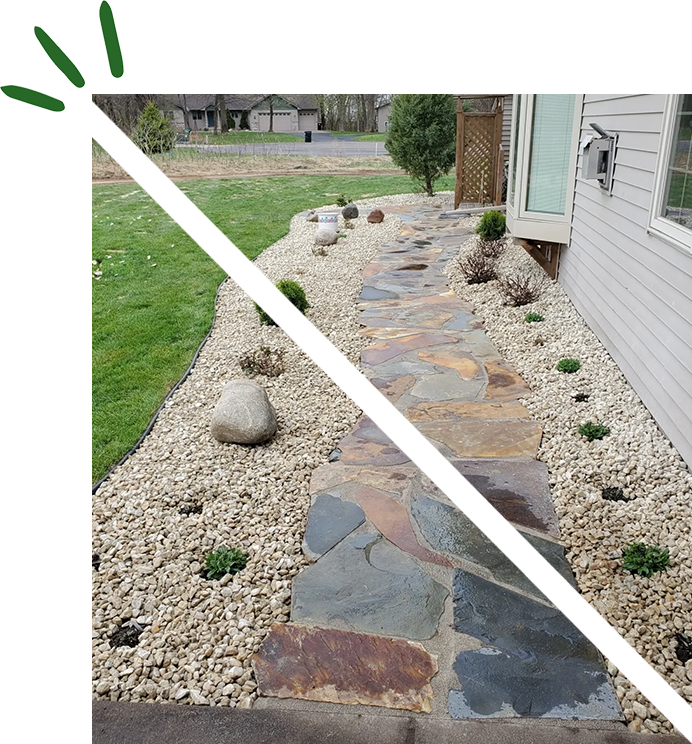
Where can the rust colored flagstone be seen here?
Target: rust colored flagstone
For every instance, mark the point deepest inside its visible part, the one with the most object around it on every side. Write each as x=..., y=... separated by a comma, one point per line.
x=392, y=520
x=393, y=388
x=389, y=349
x=466, y=366
x=393, y=478
x=459, y=410
x=504, y=383
x=337, y=666
x=475, y=438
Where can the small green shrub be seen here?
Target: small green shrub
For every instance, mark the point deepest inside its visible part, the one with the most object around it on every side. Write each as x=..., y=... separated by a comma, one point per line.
x=492, y=225
x=154, y=132
x=244, y=123
x=568, y=365
x=293, y=292
x=593, y=431
x=533, y=317
x=645, y=560
x=224, y=561
x=342, y=201
x=230, y=120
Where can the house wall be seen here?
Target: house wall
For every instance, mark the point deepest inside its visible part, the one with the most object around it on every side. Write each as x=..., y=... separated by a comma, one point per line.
x=633, y=289
x=283, y=120
x=506, y=125
x=383, y=114
x=307, y=120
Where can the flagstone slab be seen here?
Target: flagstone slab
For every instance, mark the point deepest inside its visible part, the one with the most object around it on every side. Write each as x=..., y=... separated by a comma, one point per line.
x=354, y=451
x=391, y=519
x=447, y=530
x=393, y=388
x=368, y=585
x=331, y=475
x=329, y=520
x=389, y=349
x=480, y=345
x=496, y=684
x=504, y=383
x=467, y=367
x=446, y=387
x=371, y=293
x=460, y=410
x=336, y=666
x=476, y=438
x=518, y=489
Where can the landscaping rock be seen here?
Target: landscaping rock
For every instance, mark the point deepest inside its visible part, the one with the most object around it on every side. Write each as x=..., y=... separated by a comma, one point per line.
x=376, y=216
x=312, y=216
x=325, y=236
x=243, y=414
x=349, y=212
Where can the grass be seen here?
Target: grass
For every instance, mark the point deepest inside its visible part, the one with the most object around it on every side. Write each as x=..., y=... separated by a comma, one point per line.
x=149, y=320
x=362, y=136
x=242, y=137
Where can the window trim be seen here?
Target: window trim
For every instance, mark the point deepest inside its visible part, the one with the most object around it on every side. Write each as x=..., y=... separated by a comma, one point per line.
x=667, y=230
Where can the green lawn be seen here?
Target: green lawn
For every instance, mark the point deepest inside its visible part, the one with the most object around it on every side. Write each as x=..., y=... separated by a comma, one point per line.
x=362, y=136
x=154, y=302
x=241, y=138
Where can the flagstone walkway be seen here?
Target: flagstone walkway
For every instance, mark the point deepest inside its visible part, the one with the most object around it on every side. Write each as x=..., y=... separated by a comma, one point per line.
x=407, y=605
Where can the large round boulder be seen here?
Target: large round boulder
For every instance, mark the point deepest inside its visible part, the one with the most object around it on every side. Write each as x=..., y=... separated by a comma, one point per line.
x=243, y=414
x=325, y=236
x=349, y=212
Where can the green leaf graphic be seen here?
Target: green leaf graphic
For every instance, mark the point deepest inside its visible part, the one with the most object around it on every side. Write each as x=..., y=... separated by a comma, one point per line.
x=110, y=36
x=33, y=97
x=61, y=60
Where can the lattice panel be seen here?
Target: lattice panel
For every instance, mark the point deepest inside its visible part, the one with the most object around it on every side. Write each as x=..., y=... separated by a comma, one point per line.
x=477, y=183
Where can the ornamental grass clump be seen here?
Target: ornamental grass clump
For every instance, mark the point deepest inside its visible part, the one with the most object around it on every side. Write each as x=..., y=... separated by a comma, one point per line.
x=645, y=560
x=593, y=431
x=521, y=288
x=533, y=318
x=293, y=292
x=224, y=561
x=568, y=365
x=492, y=225
x=477, y=268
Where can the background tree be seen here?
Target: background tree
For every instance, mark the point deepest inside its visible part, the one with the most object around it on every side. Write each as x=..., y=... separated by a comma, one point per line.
x=125, y=110
x=154, y=132
x=244, y=124
x=221, y=105
x=422, y=136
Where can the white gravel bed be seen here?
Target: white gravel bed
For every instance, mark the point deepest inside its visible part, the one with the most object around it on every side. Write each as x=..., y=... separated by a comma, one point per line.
x=636, y=456
x=199, y=635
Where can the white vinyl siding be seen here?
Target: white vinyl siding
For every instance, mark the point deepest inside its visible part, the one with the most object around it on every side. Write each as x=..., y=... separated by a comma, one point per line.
x=549, y=161
x=633, y=288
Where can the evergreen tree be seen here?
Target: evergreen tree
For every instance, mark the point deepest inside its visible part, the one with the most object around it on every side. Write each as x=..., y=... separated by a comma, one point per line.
x=244, y=124
x=422, y=136
x=153, y=133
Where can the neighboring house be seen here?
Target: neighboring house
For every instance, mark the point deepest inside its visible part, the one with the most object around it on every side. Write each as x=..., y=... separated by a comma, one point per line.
x=621, y=250
x=291, y=112
x=384, y=111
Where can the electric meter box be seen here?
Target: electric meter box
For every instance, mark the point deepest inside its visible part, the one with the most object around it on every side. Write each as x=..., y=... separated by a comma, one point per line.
x=598, y=160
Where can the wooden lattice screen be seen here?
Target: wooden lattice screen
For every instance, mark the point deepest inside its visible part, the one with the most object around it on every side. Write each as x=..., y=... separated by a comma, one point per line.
x=479, y=166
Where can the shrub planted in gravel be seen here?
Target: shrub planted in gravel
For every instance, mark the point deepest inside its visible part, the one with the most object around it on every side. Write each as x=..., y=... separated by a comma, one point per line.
x=477, y=268
x=492, y=225
x=613, y=493
x=263, y=361
x=521, y=288
x=293, y=292
x=224, y=561
x=593, y=431
x=341, y=201
x=568, y=365
x=645, y=560
x=533, y=317
x=491, y=248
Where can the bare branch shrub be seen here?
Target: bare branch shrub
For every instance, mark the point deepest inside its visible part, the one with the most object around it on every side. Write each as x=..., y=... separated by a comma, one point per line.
x=477, y=268
x=491, y=248
x=264, y=361
x=521, y=288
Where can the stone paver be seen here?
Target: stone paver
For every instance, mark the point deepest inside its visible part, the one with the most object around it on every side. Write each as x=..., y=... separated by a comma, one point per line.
x=390, y=548
x=335, y=666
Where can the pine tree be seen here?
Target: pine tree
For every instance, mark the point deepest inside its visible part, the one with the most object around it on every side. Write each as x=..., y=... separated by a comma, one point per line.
x=153, y=133
x=422, y=136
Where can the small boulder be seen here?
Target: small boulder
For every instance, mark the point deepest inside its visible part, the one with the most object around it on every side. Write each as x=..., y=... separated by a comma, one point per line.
x=325, y=236
x=377, y=215
x=243, y=414
x=311, y=216
x=349, y=212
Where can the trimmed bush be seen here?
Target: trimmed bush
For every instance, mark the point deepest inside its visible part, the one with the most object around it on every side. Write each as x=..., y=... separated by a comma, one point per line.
x=568, y=365
x=645, y=560
x=593, y=431
x=224, y=561
x=477, y=268
x=533, y=317
x=244, y=123
x=230, y=120
x=492, y=226
x=293, y=292
x=154, y=132
x=521, y=288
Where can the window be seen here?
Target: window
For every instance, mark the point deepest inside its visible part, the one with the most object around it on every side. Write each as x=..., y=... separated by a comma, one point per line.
x=671, y=209
x=197, y=114
x=517, y=119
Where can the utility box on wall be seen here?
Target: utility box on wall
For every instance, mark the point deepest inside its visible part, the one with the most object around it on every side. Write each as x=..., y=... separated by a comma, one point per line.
x=598, y=158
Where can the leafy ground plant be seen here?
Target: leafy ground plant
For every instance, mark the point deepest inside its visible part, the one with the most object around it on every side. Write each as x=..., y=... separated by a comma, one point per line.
x=224, y=561
x=263, y=361
x=477, y=268
x=568, y=365
x=533, y=317
x=342, y=201
x=593, y=431
x=521, y=288
x=645, y=560
x=291, y=291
